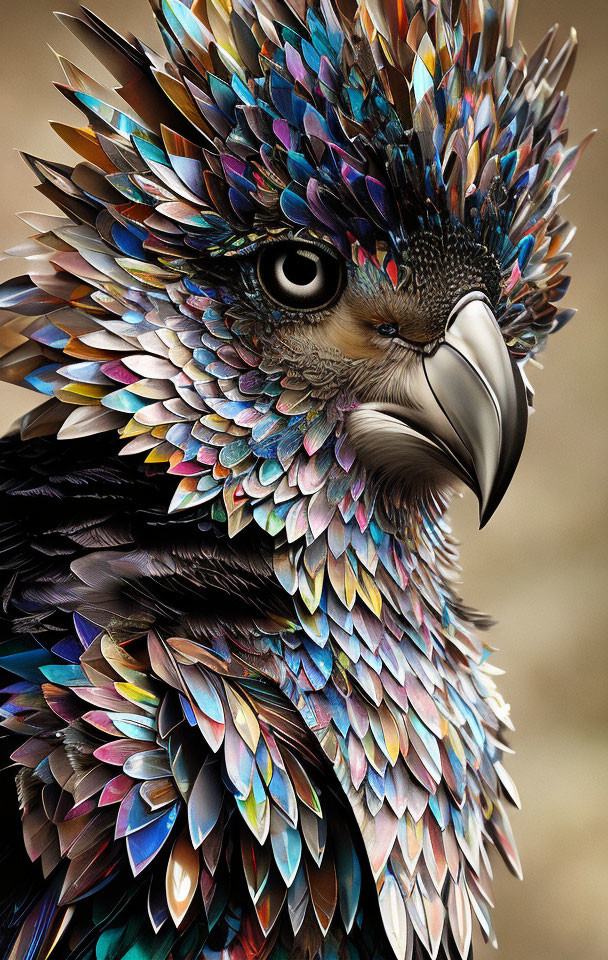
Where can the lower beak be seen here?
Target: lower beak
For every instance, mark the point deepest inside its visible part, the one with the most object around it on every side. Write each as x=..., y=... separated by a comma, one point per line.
x=468, y=408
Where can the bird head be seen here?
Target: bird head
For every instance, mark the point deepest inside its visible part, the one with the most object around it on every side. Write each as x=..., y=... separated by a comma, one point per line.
x=305, y=235
x=436, y=395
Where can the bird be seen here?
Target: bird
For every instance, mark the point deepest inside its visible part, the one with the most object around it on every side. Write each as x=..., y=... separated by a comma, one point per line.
x=283, y=311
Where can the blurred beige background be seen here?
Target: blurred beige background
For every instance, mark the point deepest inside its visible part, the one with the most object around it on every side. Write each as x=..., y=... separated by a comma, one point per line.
x=539, y=567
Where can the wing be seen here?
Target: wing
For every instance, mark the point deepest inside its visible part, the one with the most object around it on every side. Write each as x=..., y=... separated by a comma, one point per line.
x=158, y=764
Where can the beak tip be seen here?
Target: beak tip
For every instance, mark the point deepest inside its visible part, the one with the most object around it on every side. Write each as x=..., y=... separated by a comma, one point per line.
x=488, y=507
x=484, y=519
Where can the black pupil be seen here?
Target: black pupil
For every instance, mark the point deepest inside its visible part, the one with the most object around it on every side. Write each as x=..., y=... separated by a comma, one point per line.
x=300, y=269
x=300, y=276
x=387, y=329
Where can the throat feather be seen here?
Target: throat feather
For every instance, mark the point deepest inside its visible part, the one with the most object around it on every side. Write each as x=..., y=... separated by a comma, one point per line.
x=391, y=677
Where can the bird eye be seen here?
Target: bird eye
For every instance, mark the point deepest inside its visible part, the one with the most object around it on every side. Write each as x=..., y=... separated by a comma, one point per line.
x=387, y=329
x=302, y=276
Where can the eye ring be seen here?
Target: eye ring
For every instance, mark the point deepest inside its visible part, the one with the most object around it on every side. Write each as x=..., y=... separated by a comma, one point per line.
x=300, y=275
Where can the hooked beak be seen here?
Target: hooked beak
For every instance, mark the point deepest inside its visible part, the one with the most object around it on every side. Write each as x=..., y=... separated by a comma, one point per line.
x=480, y=391
x=469, y=410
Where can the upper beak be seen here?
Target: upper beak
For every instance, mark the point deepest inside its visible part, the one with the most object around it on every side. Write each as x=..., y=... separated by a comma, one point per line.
x=482, y=396
x=468, y=405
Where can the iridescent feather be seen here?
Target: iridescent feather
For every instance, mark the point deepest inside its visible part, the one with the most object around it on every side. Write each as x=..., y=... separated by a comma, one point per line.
x=244, y=794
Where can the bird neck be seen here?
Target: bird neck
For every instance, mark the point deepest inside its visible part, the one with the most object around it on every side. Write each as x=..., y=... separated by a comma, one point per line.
x=365, y=587
x=384, y=662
